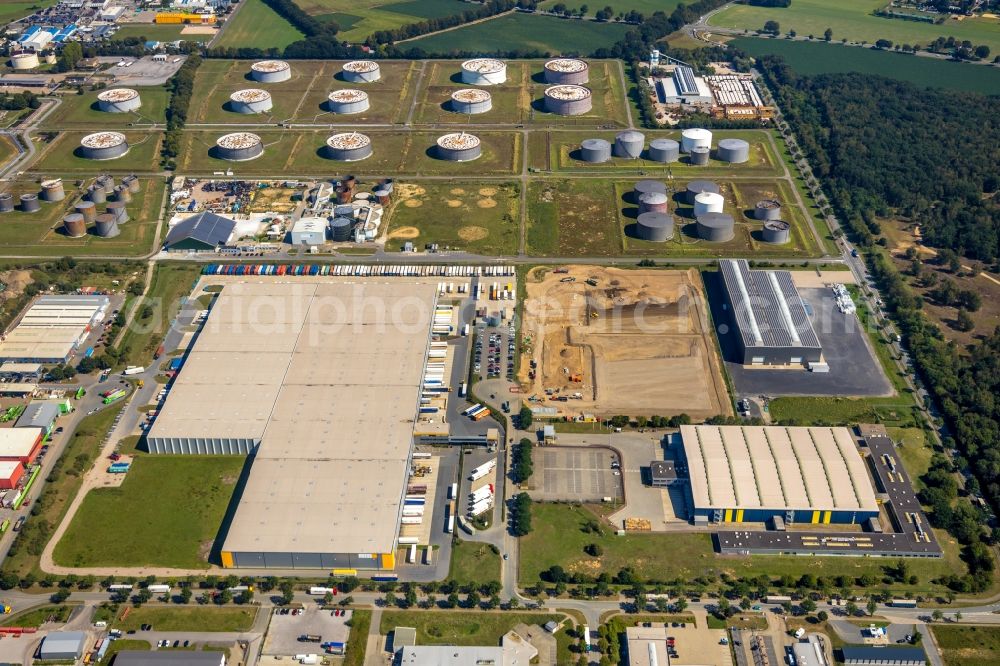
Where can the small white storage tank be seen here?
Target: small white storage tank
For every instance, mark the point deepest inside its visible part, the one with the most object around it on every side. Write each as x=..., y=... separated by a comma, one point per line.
x=695, y=138
x=471, y=101
x=361, y=71
x=22, y=61
x=251, y=100
x=347, y=101
x=700, y=155
x=484, y=72
x=734, y=151
x=118, y=100
x=708, y=202
x=270, y=71
x=567, y=71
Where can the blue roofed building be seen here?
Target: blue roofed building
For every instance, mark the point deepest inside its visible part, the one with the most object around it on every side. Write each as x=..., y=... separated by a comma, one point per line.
x=204, y=232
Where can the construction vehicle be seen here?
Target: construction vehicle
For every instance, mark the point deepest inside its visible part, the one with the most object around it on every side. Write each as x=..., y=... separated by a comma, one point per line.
x=576, y=377
x=141, y=383
x=561, y=270
x=592, y=282
x=568, y=279
x=594, y=314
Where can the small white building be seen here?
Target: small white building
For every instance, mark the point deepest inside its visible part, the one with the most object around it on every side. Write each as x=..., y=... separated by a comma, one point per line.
x=308, y=231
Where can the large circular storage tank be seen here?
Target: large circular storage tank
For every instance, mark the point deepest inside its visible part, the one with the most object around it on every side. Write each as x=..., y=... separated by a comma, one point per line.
x=22, y=61
x=567, y=71
x=664, y=150
x=628, y=144
x=471, y=101
x=776, y=231
x=484, y=72
x=653, y=202
x=699, y=156
x=52, y=190
x=696, y=187
x=646, y=187
x=239, y=147
x=117, y=210
x=119, y=100
x=361, y=71
x=270, y=71
x=708, y=202
x=715, y=227
x=87, y=209
x=595, y=151
x=6, y=202
x=103, y=145
x=29, y=203
x=767, y=209
x=734, y=151
x=348, y=147
x=74, y=225
x=341, y=228
x=655, y=226
x=568, y=100
x=106, y=227
x=459, y=147
x=251, y=100
x=347, y=101
x=695, y=138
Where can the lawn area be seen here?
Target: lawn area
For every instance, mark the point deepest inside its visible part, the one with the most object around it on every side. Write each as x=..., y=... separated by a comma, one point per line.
x=7, y=150
x=808, y=58
x=842, y=411
x=36, y=617
x=81, y=111
x=255, y=25
x=572, y=218
x=359, y=18
x=168, y=510
x=171, y=283
x=60, y=155
x=189, y=618
x=913, y=450
x=361, y=622
x=527, y=32
x=473, y=562
x=853, y=19
x=968, y=645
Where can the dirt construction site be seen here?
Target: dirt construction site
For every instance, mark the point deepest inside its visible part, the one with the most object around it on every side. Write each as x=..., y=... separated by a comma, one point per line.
x=608, y=341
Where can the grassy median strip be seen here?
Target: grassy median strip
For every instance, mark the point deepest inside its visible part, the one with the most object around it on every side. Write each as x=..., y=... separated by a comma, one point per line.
x=190, y=618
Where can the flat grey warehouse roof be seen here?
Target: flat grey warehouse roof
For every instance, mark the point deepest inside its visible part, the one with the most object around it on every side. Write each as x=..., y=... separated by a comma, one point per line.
x=767, y=307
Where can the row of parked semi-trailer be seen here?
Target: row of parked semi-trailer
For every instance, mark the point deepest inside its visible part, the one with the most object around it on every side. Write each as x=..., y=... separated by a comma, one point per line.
x=358, y=270
x=477, y=412
x=502, y=292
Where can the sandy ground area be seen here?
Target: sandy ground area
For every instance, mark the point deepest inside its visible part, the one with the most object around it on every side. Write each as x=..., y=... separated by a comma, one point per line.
x=198, y=30
x=813, y=280
x=636, y=343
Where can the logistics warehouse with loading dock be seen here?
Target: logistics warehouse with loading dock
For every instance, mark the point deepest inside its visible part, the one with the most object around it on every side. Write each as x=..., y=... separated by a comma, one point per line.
x=320, y=383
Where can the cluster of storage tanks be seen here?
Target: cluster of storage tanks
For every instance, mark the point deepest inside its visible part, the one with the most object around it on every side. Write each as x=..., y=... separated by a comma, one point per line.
x=51, y=190
x=115, y=200
x=695, y=142
x=103, y=146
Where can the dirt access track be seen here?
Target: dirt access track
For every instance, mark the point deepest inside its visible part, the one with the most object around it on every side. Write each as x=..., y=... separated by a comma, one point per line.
x=637, y=343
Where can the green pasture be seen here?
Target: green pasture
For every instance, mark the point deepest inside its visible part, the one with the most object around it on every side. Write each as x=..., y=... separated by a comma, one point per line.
x=255, y=25
x=81, y=112
x=60, y=155
x=359, y=19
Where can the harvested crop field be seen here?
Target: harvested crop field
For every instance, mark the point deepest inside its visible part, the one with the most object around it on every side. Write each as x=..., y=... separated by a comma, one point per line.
x=638, y=342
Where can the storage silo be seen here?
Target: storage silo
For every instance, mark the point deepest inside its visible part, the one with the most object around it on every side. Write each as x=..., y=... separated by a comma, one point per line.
x=459, y=147
x=471, y=101
x=387, y=183
x=696, y=187
x=52, y=190
x=595, y=151
x=87, y=209
x=653, y=202
x=383, y=196
x=344, y=194
x=361, y=71
x=699, y=156
x=350, y=181
x=117, y=210
x=103, y=145
x=118, y=100
x=347, y=101
x=716, y=227
x=74, y=225
x=239, y=147
x=664, y=150
x=96, y=194
x=646, y=187
x=629, y=144
x=776, y=231
x=695, y=138
x=29, y=203
x=734, y=151
x=568, y=100
x=107, y=183
x=567, y=71
x=6, y=202
x=343, y=211
x=708, y=202
x=767, y=209
x=655, y=226
x=49, y=58
x=132, y=183
x=348, y=147
x=105, y=226
x=23, y=61
x=484, y=72
x=250, y=100
x=270, y=71
x=341, y=228
x=123, y=194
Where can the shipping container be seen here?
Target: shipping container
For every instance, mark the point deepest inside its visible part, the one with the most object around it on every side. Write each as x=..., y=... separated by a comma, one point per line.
x=453, y=491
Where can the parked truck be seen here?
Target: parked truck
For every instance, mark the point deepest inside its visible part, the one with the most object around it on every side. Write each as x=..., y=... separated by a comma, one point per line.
x=483, y=469
x=134, y=370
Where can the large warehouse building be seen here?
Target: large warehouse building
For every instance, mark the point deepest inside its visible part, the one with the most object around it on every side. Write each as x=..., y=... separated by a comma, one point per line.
x=52, y=328
x=759, y=473
x=768, y=313
x=321, y=384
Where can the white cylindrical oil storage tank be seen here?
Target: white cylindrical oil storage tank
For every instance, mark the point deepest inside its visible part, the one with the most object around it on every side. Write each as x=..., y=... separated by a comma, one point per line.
x=568, y=100
x=26, y=60
x=341, y=228
x=471, y=101
x=96, y=194
x=270, y=71
x=29, y=203
x=734, y=151
x=103, y=145
x=239, y=147
x=708, y=202
x=628, y=144
x=767, y=209
x=74, y=225
x=347, y=101
x=715, y=227
x=459, y=147
x=118, y=100
x=484, y=71
x=567, y=71
x=664, y=150
x=52, y=190
x=6, y=202
x=776, y=231
x=118, y=211
x=695, y=138
x=595, y=151
x=361, y=71
x=653, y=202
x=348, y=147
x=87, y=209
x=132, y=183
x=655, y=226
x=123, y=194
x=250, y=100
x=105, y=226
x=699, y=156
x=647, y=186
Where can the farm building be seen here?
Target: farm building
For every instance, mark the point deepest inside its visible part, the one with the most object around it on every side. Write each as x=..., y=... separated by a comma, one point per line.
x=204, y=232
x=52, y=328
x=21, y=444
x=767, y=311
x=758, y=473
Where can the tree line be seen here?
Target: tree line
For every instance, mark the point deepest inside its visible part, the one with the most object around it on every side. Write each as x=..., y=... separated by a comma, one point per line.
x=181, y=87
x=411, y=30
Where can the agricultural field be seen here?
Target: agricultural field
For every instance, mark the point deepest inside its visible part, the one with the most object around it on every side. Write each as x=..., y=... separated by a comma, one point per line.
x=42, y=233
x=255, y=25
x=303, y=97
x=526, y=32
x=853, y=20
x=82, y=112
x=474, y=217
x=644, y=7
x=164, y=33
x=359, y=18
x=169, y=509
x=968, y=645
x=808, y=58
x=61, y=155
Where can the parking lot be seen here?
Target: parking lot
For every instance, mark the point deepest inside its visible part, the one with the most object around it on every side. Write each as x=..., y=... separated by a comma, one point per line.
x=143, y=71
x=286, y=631
x=493, y=356
x=575, y=474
